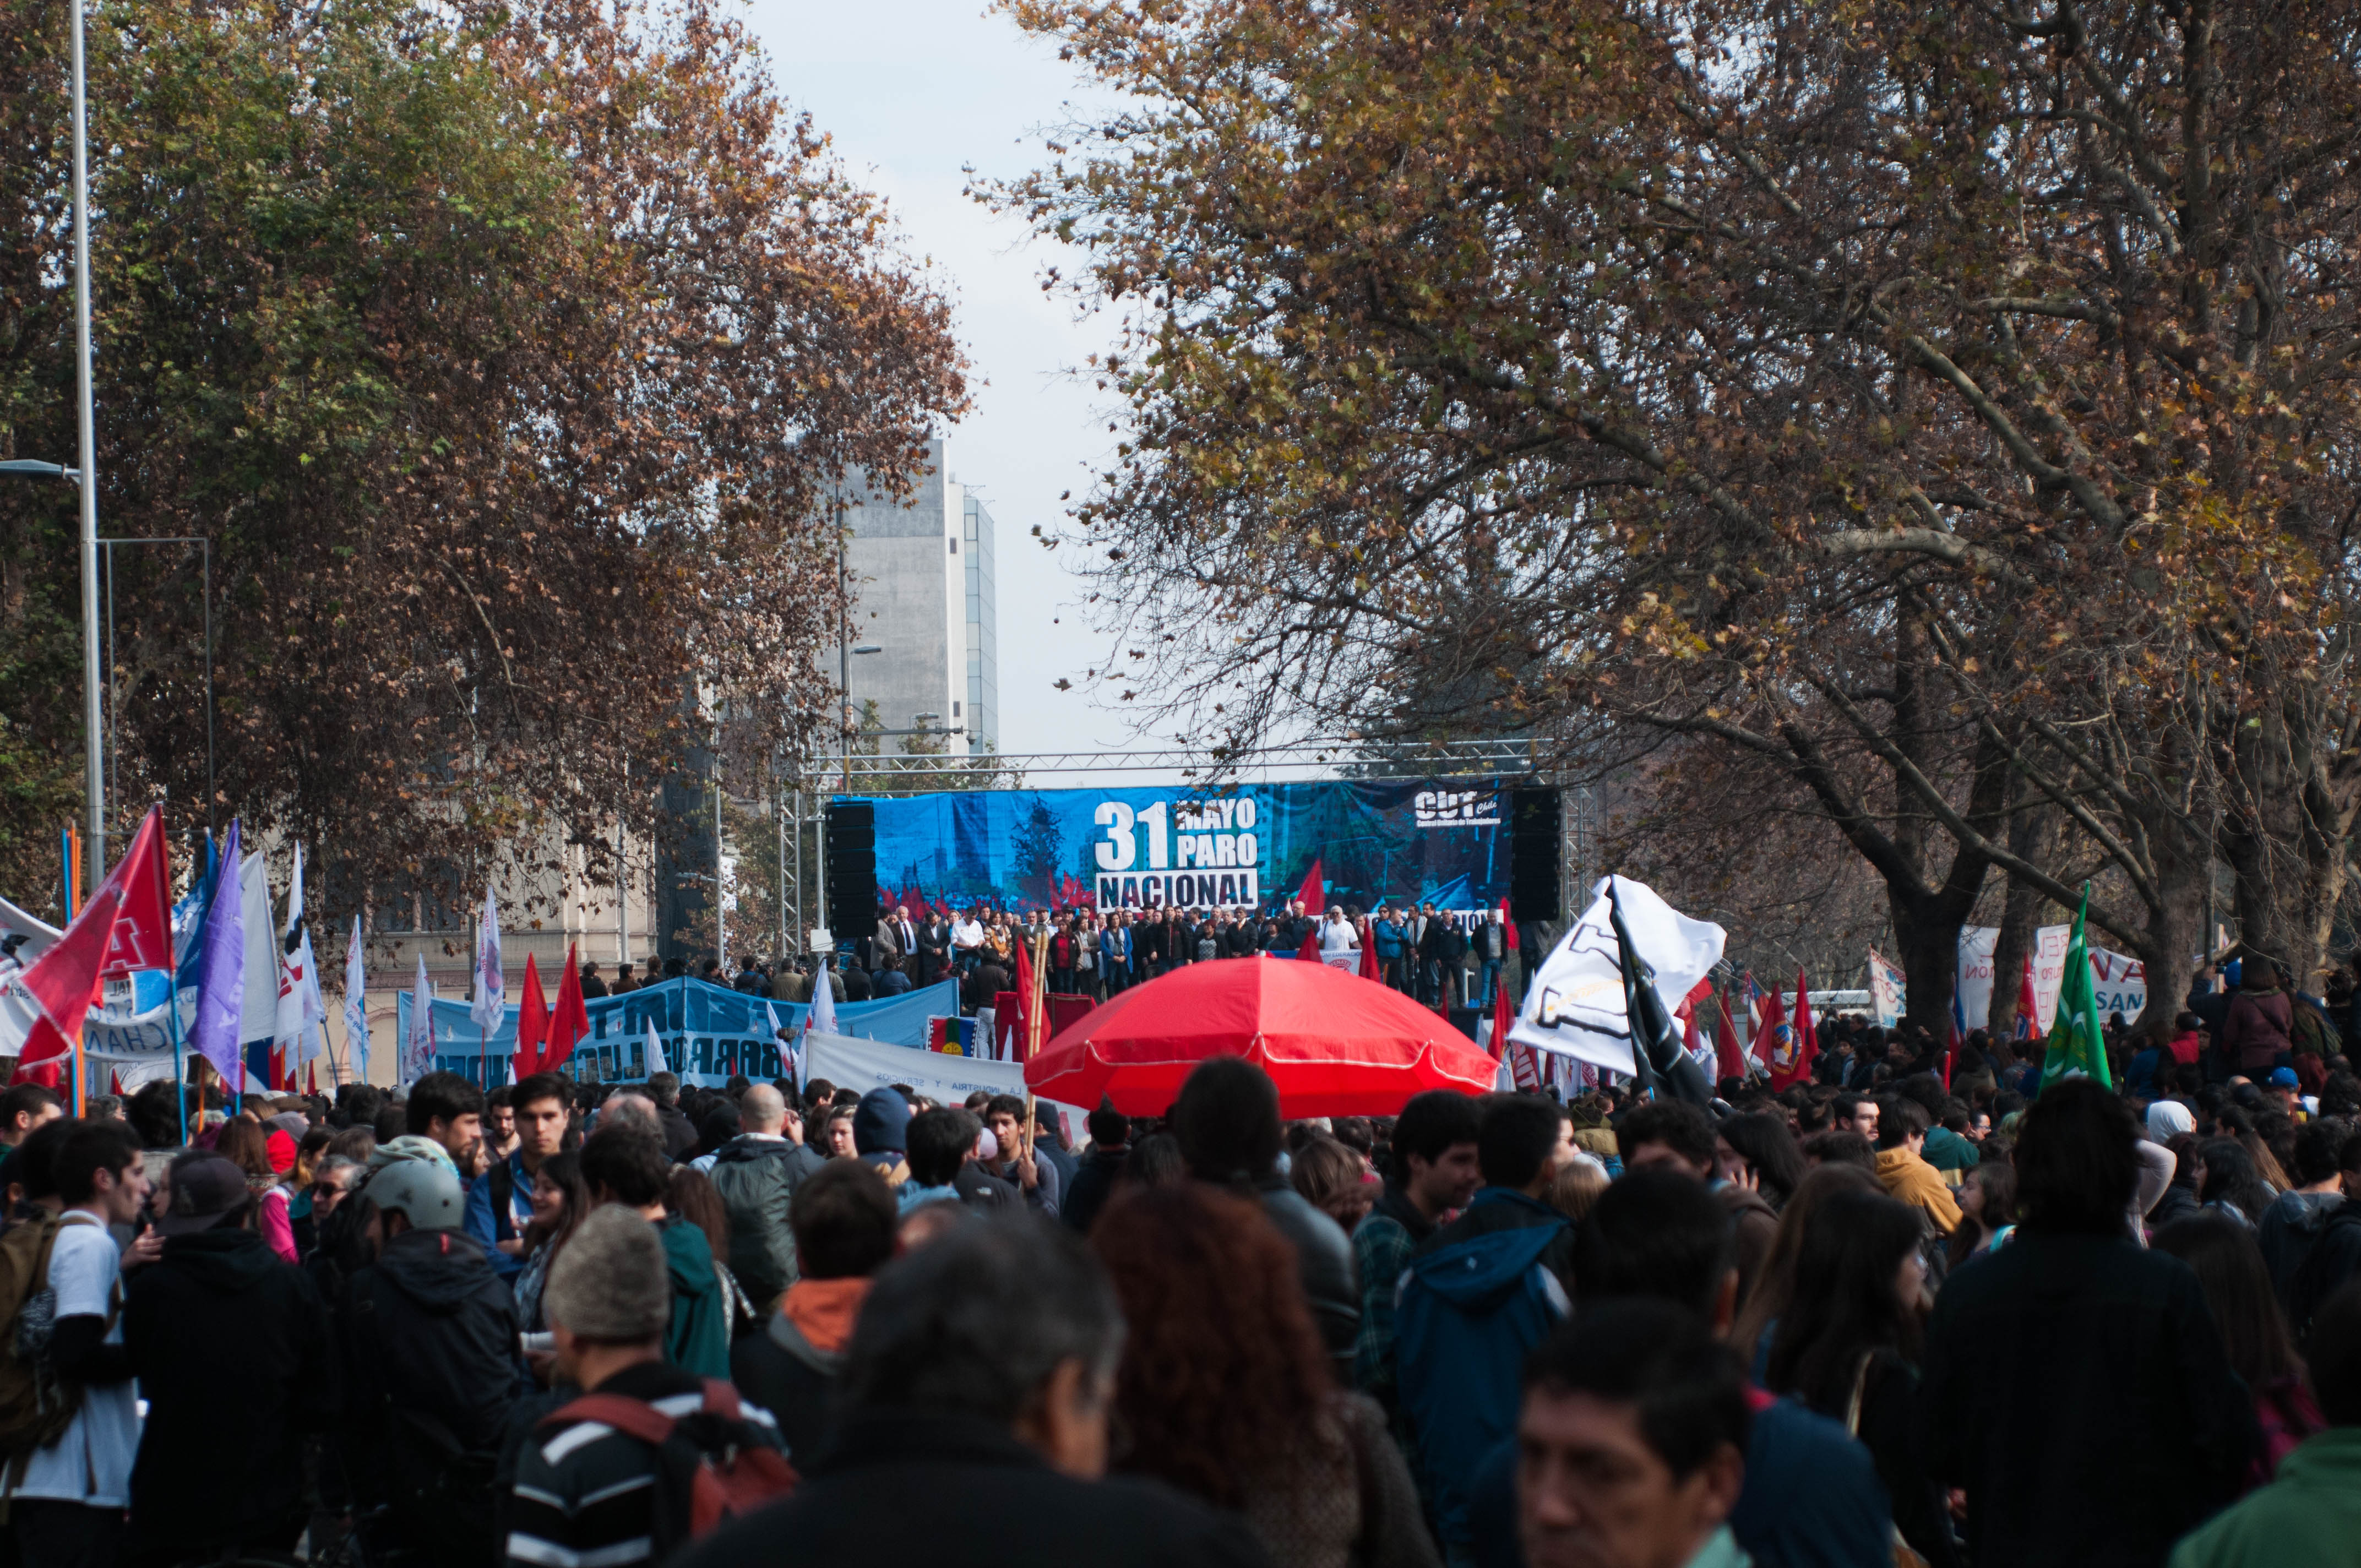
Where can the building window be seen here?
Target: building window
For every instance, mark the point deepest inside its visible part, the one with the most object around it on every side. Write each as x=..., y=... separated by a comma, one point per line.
x=955, y=713
x=954, y=545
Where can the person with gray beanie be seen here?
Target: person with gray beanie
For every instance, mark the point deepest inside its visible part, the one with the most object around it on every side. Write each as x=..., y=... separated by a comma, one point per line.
x=593, y=1483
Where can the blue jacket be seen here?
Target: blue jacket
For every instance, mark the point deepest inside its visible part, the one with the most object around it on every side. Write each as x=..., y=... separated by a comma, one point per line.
x=1474, y=1300
x=1389, y=940
x=482, y=1222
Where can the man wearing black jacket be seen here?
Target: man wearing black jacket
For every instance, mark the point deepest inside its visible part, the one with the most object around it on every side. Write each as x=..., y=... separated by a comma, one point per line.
x=1095, y=1177
x=1228, y=1122
x=978, y=1386
x=428, y=1345
x=1153, y=940
x=2075, y=1384
x=221, y=1457
x=756, y=1173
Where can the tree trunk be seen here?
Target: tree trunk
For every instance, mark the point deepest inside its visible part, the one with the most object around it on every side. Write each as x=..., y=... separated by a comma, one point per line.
x=2183, y=860
x=1927, y=936
x=2031, y=835
x=2285, y=840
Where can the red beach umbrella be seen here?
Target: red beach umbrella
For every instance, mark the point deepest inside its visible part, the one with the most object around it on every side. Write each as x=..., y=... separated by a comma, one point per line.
x=1335, y=1044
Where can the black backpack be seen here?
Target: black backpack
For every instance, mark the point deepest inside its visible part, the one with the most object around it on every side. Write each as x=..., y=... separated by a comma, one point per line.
x=2318, y=1276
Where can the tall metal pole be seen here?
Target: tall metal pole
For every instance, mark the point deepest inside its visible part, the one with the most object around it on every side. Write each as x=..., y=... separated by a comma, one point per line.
x=93, y=759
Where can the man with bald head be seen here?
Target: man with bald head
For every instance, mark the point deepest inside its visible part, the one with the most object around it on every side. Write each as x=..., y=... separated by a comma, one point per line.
x=757, y=1173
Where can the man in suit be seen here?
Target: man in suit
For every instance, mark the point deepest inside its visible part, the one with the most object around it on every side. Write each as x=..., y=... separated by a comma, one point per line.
x=934, y=949
x=1432, y=939
x=1153, y=942
x=905, y=941
x=886, y=949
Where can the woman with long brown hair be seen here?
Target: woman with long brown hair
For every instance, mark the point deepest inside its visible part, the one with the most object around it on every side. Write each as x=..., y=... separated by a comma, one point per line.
x=561, y=1201
x=1751, y=1335
x=246, y=1145
x=1224, y=1390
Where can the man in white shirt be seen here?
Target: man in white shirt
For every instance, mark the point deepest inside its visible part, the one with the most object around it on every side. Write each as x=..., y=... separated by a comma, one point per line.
x=967, y=941
x=67, y=1509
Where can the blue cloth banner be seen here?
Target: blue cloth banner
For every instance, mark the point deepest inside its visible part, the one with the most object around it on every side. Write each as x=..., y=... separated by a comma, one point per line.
x=1441, y=841
x=709, y=1032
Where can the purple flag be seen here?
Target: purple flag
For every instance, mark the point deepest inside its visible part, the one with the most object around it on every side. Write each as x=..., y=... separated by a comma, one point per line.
x=221, y=976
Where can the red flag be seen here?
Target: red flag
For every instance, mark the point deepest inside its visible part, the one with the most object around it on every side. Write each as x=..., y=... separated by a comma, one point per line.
x=1311, y=948
x=1313, y=892
x=569, y=1022
x=49, y=1073
x=1008, y=1007
x=532, y=1025
x=2029, y=1006
x=1024, y=995
x=1509, y=925
x=64, y=981
x=311, y=1077
x=1801, y=1047
x=1729, y=1061
x=1369, y=970
x=1504, y=1018
x=142, y=934
x=1767, y=1029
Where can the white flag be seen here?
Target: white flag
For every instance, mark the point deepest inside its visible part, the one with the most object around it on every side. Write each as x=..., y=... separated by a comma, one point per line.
x=655, y=1051
x=1576, y=1002
x=301, y=1007
x=356, y=1041
x=789, y=1046
x=418, y=1043
x=491, y=991
x=822, y=1017
x=258, y=1014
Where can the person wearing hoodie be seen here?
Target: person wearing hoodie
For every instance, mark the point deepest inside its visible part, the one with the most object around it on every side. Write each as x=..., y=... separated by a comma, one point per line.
x=881, y=1130
x=1480, y=1294
x=624, y=1165
x=2294, y=1222
x=220, y=1468
x=845, y=1224
x=2255, y=1033
x=1901, y=1169
x=1434, y=1174
x=428, y=1340
x=756, y=1173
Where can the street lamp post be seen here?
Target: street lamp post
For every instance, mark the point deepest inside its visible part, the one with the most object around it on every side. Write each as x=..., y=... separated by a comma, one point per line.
x=94, y=769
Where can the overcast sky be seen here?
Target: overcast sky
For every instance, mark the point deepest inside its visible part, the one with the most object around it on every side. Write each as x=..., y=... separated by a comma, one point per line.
x=914, y=92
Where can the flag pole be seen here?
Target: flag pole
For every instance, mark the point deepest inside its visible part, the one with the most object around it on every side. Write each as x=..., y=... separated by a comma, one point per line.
x=180, y=1066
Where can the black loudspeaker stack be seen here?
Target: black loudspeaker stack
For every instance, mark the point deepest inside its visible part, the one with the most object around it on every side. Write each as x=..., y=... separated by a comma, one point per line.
x=852, y=868
x=1536, y=843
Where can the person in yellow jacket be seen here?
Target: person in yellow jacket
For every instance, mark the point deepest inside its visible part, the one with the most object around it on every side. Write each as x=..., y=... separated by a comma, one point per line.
x=1902, y=1168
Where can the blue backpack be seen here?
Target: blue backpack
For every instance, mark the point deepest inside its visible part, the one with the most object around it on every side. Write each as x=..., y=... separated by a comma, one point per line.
x=1465, y=1317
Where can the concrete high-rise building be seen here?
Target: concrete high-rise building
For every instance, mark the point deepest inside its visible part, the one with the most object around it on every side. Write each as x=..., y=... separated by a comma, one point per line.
x=919, y=579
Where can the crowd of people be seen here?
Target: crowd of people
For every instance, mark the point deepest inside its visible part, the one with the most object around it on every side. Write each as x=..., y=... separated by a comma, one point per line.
x=1440, y=957
x=569, y=1325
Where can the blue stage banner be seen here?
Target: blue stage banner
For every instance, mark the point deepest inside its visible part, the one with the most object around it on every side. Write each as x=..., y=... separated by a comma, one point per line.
x=1064, y=848
x=709, y=1032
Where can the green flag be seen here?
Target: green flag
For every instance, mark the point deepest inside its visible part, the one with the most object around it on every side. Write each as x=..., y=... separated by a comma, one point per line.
x=2075, y=1043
